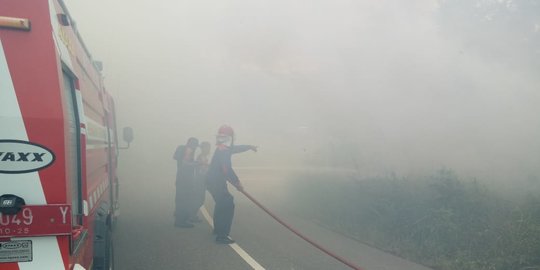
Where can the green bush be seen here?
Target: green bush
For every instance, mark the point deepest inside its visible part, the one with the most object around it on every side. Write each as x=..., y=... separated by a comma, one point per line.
x=440, y=221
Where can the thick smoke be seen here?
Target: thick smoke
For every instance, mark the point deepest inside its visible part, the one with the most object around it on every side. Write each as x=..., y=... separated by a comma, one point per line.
x=386, y=86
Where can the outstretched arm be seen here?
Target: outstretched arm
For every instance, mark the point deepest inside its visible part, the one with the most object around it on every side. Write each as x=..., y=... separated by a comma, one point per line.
x=243, y=148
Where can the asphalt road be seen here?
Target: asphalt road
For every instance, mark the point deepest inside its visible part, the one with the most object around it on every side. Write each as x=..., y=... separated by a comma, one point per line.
x=145, y=237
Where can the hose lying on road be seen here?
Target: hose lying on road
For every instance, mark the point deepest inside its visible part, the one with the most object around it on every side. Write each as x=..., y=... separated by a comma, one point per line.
x=335, y=256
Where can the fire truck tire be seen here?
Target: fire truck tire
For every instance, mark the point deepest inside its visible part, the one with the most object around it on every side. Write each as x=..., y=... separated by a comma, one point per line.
x=103, y=240
x=111, y=256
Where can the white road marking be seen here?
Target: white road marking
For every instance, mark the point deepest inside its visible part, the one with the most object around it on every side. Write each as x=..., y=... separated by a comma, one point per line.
x=240, y=251
x=254, y=264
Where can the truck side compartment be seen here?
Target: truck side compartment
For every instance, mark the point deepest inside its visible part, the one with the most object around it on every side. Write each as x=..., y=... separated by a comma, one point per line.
x=58, y=146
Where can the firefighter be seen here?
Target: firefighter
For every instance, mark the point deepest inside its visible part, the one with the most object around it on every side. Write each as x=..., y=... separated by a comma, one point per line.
x=219, y=172
x=185, y=185
x=200, y=179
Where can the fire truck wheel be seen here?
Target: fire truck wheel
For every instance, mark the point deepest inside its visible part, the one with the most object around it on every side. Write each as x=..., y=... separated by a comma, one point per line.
x=111, y=255
x=104, y=259
x=103, y=241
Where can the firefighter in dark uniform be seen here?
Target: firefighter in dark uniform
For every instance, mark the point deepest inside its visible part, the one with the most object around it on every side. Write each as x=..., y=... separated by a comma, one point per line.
x=219, y=172
x=185, y=186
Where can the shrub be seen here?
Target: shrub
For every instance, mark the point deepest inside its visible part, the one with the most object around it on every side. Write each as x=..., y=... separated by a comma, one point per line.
x=440, y=221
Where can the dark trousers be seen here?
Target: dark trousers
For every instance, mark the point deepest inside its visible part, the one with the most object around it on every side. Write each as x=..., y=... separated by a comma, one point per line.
x=183, y=200
x=199, y=191
x=223, y=210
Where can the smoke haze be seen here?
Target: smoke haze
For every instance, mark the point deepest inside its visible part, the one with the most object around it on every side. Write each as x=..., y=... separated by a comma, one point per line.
x=387, y=85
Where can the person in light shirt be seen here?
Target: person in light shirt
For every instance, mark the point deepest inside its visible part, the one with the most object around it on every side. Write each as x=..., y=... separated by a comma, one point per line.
x=200, y=180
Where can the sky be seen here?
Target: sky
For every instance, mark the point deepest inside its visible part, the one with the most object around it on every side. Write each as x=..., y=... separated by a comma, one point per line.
x=379, y=83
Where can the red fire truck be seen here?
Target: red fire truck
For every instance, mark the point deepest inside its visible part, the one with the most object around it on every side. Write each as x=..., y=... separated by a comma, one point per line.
x=58, y=144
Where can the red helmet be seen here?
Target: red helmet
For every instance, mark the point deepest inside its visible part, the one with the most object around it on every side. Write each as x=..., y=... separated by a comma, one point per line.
x=226, y=130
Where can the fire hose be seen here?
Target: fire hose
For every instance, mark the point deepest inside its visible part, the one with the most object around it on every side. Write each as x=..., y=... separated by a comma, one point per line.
x=313, y=243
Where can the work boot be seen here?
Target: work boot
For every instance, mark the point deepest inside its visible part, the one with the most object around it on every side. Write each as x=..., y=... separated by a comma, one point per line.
x=225, y=240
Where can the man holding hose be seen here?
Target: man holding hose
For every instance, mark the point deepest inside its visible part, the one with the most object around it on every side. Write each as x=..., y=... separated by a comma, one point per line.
x=219, y=172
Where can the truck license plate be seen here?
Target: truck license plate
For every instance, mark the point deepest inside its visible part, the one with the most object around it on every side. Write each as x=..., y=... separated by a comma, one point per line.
x=16, y=251
x=37, y=220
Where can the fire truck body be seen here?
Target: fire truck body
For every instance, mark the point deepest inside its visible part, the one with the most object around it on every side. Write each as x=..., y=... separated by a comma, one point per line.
x=58, y=143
